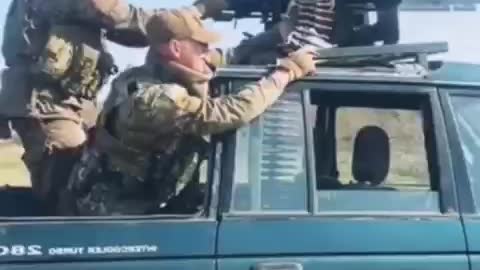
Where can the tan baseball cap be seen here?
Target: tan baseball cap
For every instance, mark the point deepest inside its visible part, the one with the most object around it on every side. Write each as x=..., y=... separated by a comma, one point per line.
x=179, y=24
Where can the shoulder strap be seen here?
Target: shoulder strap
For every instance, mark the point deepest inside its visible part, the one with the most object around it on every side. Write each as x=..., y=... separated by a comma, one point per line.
x=124, y=85
x=121, y=88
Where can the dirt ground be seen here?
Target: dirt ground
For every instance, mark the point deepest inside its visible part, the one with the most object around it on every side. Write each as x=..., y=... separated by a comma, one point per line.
x=12, y=170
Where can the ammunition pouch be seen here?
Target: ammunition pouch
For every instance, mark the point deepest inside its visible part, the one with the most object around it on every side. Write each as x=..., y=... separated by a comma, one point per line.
x=114, y=178
x=122, y=158
x=164, y=174
x=75, y=60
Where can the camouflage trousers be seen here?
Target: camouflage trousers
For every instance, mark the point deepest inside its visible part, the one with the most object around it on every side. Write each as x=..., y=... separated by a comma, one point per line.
x=52, y=139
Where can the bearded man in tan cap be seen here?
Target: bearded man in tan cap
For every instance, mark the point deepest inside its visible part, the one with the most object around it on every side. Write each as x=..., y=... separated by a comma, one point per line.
x=149, y=141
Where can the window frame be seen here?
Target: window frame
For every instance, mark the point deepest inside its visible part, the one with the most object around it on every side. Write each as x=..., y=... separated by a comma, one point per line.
x=334, y=109
x=227, y=170
x=462, y=178
x=447, y=195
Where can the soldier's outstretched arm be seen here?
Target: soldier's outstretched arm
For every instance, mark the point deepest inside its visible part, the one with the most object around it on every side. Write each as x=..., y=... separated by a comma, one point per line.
x=102, y=13
x=125, y=22
x=194, y=115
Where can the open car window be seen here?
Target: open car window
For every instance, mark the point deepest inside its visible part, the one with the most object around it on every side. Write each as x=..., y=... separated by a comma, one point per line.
x=367, y=153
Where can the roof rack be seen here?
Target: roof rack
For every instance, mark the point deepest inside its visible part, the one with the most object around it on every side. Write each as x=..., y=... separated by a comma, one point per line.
x=365, y=61
x=384, y=54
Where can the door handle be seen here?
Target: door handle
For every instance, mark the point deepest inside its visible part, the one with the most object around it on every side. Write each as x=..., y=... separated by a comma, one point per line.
x=278, y=266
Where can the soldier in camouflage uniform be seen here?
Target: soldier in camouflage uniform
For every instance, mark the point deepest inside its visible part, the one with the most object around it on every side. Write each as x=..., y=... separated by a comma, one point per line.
x=150, y=138
x=56, y=63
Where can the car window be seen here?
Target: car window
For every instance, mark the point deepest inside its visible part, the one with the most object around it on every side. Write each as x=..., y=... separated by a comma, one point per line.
x=375, y=154
x=407, y=159
x=466, y=111
x=270, y=160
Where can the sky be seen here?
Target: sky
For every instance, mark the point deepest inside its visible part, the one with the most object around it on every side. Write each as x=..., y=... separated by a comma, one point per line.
x=459, y=29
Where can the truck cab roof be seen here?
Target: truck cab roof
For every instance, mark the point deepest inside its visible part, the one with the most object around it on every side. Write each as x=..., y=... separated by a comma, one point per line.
x=402, y=63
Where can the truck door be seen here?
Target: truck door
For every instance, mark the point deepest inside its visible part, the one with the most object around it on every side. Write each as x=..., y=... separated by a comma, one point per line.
x=462, y=107
x=342, y=176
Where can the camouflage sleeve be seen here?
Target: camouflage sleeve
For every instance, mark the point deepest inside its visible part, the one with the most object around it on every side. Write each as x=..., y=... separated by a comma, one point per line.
x=175, y=110
x=125, y=23
x=100, y=12
x=132, y=26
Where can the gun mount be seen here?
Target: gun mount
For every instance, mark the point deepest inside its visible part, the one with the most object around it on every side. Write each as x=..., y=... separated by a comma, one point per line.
x=352, y=26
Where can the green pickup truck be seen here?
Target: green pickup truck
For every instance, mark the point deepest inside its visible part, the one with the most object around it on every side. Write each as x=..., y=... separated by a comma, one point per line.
x=371, y=163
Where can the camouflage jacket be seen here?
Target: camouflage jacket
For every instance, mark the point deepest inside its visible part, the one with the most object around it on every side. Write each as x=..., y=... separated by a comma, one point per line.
x=153, y=111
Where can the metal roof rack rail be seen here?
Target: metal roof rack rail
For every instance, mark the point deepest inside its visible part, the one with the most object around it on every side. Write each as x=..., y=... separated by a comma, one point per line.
x=384, y=54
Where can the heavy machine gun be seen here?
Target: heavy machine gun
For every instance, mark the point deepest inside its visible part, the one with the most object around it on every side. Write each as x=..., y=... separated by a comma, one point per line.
x=352, y=27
